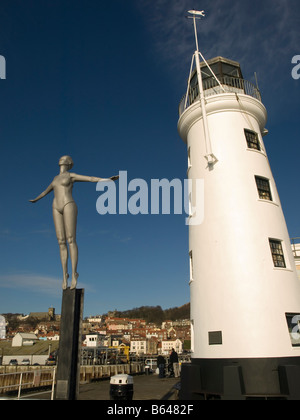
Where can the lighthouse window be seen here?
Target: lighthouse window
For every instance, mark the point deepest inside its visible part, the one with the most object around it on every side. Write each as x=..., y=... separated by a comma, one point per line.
x=277, y=253
x=252, y=140
x=264, y=190
x=293, y=321
x=215, y=338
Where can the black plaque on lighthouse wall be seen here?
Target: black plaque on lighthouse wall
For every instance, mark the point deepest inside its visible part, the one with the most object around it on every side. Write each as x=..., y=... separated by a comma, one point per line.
x=68, y=368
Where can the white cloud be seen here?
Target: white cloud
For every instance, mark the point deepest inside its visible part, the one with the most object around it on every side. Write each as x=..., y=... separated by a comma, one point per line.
x=259, y=34
x=34, y=282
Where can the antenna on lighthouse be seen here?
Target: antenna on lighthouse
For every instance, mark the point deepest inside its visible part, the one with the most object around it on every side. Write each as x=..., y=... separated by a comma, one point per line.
x=197, y=15
x=211, y=158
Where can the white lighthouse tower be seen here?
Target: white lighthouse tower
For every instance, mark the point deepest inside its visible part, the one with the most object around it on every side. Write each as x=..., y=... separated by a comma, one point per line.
x=245, y=293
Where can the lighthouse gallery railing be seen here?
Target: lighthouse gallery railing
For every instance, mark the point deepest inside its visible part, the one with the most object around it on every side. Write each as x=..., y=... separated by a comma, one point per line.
x=211, y=87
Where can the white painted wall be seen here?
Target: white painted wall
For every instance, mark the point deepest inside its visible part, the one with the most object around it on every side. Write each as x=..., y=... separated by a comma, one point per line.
x=40, y=359
x=235, y=287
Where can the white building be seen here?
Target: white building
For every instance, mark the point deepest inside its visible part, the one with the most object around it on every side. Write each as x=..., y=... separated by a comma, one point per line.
x=244, y=288
x=93, y=340
x=168, y=345
x=53, y=338
x=24, y=339
x=95, y=320
x=138, y=346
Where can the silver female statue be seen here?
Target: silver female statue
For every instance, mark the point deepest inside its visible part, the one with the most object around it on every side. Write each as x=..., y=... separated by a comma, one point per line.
x=65, y=214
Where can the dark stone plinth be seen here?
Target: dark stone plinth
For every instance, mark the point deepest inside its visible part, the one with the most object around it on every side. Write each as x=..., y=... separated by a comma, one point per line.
x=68, y=368
x=240, y=379
x=290, y=381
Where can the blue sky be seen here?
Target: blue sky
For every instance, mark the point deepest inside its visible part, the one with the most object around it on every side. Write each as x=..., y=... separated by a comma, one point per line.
x=101, y=81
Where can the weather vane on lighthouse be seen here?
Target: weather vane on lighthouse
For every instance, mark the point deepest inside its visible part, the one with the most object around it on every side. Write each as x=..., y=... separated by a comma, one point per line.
x=196, y=15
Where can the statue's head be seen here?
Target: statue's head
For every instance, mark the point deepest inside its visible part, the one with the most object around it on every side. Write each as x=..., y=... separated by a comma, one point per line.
x=66, y=160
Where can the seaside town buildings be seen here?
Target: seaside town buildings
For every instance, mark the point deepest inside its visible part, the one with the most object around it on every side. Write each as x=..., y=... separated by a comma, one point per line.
x=136, y=335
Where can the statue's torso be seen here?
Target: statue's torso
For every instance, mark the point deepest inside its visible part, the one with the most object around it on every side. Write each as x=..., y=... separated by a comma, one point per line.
x=62, y=187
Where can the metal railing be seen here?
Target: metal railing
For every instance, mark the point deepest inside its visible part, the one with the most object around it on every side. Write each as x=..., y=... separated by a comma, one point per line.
x=29, y=379
x=211, y=87
x=295, y=246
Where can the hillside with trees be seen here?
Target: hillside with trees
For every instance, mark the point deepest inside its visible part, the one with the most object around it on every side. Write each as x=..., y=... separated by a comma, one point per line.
x=156, y=314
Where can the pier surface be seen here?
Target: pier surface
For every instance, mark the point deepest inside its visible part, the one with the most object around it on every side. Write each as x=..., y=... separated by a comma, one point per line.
x=145, y=388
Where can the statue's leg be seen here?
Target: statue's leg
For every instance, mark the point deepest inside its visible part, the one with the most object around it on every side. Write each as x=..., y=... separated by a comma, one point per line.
x=63, y=249
x=70, y=221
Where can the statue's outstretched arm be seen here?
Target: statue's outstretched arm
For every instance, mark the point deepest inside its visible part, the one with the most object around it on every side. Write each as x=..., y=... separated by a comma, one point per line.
x=84, y=178
x=43, y=194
